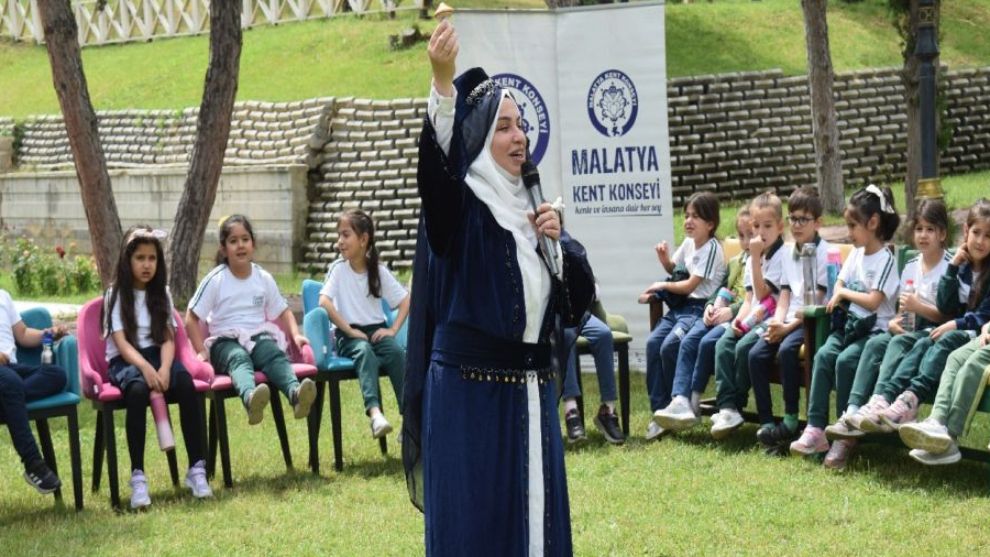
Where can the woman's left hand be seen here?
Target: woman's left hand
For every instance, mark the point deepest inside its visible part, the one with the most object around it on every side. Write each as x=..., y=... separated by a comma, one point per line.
x=546, y=221
x=301, y=340
x=382, y=333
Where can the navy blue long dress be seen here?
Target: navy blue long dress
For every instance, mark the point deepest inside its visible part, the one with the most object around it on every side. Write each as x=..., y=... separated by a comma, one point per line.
x=470, y=379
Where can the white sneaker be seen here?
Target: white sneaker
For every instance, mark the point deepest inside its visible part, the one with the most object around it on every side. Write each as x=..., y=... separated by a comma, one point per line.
x=728, y=420
x=139, y=490
x=196, y=480
x=677, y=416
x=256, y=403
x=950, y=456
x=928, y=435
x=380, y=426
x=654, y=431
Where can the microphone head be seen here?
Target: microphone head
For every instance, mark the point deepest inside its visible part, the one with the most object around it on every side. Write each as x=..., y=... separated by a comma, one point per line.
x=530, y=176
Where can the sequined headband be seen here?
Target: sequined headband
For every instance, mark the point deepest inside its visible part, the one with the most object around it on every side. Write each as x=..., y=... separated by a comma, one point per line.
x=482, y=90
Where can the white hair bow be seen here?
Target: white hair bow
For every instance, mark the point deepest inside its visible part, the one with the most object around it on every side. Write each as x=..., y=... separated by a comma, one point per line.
x=884, y=204
x=156, y=233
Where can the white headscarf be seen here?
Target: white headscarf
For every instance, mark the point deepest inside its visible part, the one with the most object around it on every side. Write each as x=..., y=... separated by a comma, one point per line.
x=507, y=200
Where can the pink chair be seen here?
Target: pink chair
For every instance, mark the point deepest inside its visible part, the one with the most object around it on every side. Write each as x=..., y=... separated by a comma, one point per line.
x=105, y=397
x=222, y=388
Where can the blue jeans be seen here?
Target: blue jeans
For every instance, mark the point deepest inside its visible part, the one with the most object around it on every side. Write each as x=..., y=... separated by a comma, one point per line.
x=696, y=359
x=20, y=384
x=662, y=348
x=600, y=342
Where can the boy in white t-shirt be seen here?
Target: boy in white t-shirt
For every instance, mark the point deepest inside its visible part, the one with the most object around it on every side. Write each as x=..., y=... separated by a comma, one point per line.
x=785, y=336
x=352, y=296
x=20, y=384
x=763, y=281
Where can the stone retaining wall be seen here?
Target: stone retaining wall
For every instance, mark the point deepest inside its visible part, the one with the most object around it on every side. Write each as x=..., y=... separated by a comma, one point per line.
x=735, y=134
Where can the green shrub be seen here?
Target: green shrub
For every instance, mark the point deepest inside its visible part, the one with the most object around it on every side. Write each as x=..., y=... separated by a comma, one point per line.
x=48, y=271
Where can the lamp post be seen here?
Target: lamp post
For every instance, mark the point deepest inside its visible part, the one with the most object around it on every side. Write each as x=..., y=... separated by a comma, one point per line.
x=926, y=49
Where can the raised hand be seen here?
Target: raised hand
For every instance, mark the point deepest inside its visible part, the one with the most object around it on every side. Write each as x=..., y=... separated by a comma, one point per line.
x=442, y=51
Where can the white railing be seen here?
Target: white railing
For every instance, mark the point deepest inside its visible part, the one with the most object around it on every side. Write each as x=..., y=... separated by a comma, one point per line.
x=120, y=21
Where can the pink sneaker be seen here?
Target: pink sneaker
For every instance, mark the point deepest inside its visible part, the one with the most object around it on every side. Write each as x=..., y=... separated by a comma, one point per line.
x=838, y=455
x=811, y=441
x=903, y=410
x=869, y=413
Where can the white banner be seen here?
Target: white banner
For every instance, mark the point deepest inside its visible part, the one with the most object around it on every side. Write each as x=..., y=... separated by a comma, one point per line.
x=593, y=89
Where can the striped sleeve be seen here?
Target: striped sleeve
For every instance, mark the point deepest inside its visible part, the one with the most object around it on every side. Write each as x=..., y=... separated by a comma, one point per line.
x=205, y=296
x=887, y=280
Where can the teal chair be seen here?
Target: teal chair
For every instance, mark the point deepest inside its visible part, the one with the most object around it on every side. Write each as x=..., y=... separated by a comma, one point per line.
x=63, y=404
x=331, y=370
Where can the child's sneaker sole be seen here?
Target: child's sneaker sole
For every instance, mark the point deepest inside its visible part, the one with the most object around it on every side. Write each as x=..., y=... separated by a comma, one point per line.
x=305, y=397
x=676, y=423
x=917, y=438
x=256, y=405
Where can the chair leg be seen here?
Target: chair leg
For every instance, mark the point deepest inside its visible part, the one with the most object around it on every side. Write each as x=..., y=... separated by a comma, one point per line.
x=623, y=351
x=47, y=450
x=338, y=441
x=75, y=457
x=221, y=413
x=313, y=427
x=580, y=382
x=173, y=467
x=99, y=449
x=283, y=435
x=111, y=444
x=382, y=441
x=212, y=437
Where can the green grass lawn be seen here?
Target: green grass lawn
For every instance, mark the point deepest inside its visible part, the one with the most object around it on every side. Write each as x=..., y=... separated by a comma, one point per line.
x=685, y=495
x=349, y=55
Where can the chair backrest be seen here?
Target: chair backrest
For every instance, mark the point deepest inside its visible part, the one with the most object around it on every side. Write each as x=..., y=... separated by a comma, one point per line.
x=35, y=318
x=92, y=348
x=65, y=349
x=310, y=295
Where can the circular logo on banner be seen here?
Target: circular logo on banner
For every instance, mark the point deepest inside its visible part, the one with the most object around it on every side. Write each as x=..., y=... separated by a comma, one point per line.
x=612, y=103
x=536, y=119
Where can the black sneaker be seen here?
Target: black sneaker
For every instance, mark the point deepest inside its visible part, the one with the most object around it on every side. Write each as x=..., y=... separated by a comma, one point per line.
x=575, y=429
x=42, y=478
x=773, y=437
x=608, y=423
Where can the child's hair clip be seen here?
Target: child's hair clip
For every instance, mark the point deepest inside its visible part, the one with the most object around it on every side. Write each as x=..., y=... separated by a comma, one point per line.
x=222, y=220
x=155, y=233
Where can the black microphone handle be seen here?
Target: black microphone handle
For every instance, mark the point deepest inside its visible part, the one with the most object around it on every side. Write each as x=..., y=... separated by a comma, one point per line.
x=546, y=246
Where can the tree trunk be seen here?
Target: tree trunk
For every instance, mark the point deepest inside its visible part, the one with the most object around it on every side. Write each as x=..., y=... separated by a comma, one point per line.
x=62, y=43
x=206, y=162
x=828, y=161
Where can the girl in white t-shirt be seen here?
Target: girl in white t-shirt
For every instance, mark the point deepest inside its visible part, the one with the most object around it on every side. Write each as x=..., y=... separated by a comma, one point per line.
x=240, y=301
x=352, y=296
x=868, y=285
x=697, y=269
x=139, y=328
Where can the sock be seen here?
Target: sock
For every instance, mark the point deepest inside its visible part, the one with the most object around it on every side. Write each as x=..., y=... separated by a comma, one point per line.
x=851, y=409
x=791, y=422
x=570, y=405
x=770, y=425
x=610, y=404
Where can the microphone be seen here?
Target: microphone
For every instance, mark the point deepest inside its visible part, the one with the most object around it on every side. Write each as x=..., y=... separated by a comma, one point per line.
x=531, y=179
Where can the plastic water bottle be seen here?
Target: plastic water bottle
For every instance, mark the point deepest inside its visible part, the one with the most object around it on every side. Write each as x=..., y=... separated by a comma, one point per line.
x=809, y=267
x=47, y=356
x=757, y=315
x=724, y=298
x=832, y=266
x=159, y=411
x=907, y=317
